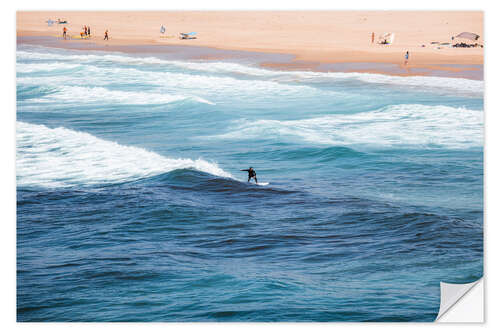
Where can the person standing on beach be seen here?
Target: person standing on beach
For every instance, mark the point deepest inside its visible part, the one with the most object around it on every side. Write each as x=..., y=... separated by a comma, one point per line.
x=407, y=56
x=88, y=30
x=85, y=29
x=373, y=37
x=64, y=32
x=106, y=35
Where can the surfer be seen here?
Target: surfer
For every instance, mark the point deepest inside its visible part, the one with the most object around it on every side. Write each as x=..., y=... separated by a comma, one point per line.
x=251, y=174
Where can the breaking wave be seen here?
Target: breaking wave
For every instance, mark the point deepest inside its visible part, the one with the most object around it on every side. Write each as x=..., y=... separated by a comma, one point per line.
x=396, y=125
x=58, y=157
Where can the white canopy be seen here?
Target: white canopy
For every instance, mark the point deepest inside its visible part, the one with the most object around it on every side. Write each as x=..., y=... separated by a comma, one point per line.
x=468, y=35
x=389, y=37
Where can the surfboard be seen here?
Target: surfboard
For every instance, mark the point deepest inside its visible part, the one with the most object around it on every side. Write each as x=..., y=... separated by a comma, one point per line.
x=258, y=184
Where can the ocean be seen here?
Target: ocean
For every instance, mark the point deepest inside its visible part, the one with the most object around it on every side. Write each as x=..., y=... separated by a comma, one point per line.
x=131, y=205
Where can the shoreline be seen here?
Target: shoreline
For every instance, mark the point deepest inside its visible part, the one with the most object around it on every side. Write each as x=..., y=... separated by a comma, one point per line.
x=265, y=60
x=287, y=40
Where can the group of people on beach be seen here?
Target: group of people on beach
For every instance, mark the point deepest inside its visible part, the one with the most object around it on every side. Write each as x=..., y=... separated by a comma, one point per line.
x=84, y=33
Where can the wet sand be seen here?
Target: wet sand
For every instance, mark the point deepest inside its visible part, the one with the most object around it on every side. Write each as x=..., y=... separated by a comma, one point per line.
x=276, y=61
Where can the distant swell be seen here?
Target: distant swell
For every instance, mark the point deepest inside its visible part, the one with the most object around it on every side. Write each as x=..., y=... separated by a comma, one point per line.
x=61, y=157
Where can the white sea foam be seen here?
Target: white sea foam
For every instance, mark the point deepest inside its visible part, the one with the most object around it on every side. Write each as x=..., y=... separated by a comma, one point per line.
x=417, y=82
x=84, y=94
x=457, y=84
x=158, y=82
x=397, y=125
x=58, y=157
x=44, y=67
x=163, y=77
x=83, y=58
x=460, y=84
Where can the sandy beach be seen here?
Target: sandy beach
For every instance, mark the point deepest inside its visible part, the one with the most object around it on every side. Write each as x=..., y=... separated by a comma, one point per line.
x=312, y=37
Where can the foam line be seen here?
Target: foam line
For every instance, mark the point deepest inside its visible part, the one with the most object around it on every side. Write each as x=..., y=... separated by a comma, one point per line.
x=416, y=82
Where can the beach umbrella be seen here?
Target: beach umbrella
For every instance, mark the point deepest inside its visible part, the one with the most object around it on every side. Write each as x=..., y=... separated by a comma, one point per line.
x=468, y=35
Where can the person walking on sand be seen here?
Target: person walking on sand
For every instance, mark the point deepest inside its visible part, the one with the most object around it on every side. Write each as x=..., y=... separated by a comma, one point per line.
x=64, y=32
x=407, y=56
x=373, y=37
x=88, y=31
x=106, y=35
x=85, y=29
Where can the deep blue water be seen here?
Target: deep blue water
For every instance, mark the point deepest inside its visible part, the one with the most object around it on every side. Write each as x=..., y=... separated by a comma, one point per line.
x=131, y=205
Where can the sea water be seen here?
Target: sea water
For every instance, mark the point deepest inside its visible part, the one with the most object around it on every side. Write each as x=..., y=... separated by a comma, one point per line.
x=131, y=205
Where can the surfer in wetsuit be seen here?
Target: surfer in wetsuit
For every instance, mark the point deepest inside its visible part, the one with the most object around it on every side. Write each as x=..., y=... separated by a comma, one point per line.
x=251, y=174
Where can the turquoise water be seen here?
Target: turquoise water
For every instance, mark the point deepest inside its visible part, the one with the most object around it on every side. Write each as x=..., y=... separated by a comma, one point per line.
x=131, y=205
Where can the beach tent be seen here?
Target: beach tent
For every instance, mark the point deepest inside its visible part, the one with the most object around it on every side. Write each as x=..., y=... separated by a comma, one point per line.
x=387, y=37
x=468, y=35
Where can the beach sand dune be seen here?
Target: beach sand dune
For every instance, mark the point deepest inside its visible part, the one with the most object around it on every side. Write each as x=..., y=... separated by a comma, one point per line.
x=312, y=36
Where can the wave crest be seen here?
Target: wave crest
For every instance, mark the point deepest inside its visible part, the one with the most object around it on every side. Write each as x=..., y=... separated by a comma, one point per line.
x=79, y=95
x=395, y=125
x=59, y=157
